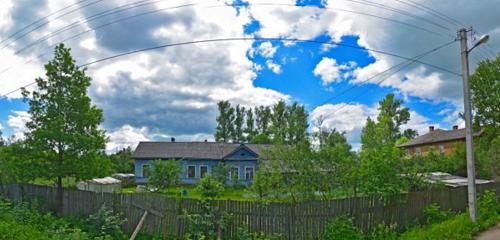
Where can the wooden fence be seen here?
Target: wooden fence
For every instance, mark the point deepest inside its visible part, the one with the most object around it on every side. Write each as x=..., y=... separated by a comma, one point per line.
x=304, y=220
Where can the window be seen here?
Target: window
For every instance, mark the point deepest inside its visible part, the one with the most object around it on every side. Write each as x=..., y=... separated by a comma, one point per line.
x=249, y=173
x=146, y=170
x=191, y=171
x=234, y=173
x=203, y=170
x=441, y=149
x=418, y=151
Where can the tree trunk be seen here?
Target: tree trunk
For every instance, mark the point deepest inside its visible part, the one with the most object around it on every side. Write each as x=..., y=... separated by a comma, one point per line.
x=59, y=197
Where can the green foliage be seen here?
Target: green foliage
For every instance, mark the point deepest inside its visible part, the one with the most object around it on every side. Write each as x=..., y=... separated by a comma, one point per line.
x=105, y=224
x=225, y=122
x=164, y=174
x=63, y=136
x=209, y=224
x=238, y=124
x=20, y=222
x=250, y=130
x=209, y=187
x=243, y=234
x=122, y=161
x=342, y=228
x=434, y=214
x=220, y=172
x=485, y=88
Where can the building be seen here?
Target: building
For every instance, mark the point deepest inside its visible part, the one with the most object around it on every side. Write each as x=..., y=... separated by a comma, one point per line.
x=107, y=185
x=441, y=141
x=199, y=158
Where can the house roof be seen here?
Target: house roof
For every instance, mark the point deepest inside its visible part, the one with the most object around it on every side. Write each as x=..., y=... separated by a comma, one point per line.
x=438, y=135
x=192, y=150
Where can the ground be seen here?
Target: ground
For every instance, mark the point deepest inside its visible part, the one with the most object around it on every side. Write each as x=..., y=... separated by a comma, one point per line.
x=230, y=193
x=490, y=234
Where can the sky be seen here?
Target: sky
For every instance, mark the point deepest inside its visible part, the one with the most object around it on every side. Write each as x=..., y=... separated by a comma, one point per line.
x=173, y=91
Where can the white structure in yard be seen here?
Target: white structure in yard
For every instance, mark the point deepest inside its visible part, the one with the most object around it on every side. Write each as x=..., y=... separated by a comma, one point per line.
x=107, y=185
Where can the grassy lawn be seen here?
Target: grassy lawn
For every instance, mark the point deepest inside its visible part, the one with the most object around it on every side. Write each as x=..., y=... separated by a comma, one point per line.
x=68, y=182
x=230, y=193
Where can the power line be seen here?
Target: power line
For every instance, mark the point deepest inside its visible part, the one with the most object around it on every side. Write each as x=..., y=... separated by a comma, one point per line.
x=40, y=20
x=47, y=22
x=386, y=71
x=432, y=12
x=255, y=39
x=145, y=2
x=399, y=67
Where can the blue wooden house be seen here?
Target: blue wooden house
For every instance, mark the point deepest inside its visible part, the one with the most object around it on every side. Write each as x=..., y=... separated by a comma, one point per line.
x=199, y=158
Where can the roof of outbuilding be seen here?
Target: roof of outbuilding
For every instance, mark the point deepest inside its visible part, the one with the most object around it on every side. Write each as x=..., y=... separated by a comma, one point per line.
x=192, y=150
x=438, y=135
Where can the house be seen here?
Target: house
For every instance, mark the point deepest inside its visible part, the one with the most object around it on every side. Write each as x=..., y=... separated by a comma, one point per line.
x=441, y=141
x=106, y=185
x=199, y=158
x=449, y=180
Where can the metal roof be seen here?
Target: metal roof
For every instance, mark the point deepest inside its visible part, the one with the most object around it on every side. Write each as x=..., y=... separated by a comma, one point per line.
x=192, y=150
x=438, y=135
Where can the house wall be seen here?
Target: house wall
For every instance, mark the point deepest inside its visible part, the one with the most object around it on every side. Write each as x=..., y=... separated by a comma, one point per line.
x=239, y=159
x=448, y=147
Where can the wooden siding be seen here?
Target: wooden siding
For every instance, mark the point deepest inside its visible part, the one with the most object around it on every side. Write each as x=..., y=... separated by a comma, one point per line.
x=306, y=220
x=449, y=148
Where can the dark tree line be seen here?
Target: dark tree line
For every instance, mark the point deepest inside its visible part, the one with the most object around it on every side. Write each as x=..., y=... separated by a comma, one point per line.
x=280, y=123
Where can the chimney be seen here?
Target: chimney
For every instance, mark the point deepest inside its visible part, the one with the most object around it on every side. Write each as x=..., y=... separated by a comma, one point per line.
x=206, y=140
x=172, y=139
x=455, y=127
x=431, y=128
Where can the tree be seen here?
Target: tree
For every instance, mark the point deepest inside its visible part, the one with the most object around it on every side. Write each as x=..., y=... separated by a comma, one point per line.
x=296, y=124
x=209, y=187
x=263, y=119
x=250, y=125
x=225, y=122
x=220, y=172
x=485, y=88
x=63, y=131
x=2, y=141
x=370, y=135
x=410, y=133
x=279, y=122
x=165, y=174
x=238, y=124
x=122, y=161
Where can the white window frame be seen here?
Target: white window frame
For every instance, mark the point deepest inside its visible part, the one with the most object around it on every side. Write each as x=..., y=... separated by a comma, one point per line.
x=253, y=172
x=187, y=171
x=231, y=173
x=418, y=151
x=441, y=149
x=199, y=170
x=142, y=169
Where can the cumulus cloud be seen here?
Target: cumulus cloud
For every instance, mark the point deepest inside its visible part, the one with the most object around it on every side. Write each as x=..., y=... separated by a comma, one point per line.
x=126, y=136
x=330, y=71
x=17, y=122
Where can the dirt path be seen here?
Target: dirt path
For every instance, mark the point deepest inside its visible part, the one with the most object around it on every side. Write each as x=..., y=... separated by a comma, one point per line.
x=490, y=234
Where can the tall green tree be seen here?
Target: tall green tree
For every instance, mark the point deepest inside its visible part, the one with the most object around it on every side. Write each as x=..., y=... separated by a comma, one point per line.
x=279, y=122
x=249, y=125
x=2, y=141
x=63, y=130
x=238, y=124
x=296, y=124
x=485, y=87
x=370, y=135
x=225, y=122
x=263, y=119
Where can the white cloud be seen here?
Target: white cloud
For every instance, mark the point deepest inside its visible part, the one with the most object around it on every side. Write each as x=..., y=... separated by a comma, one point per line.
x=275, y=68
x=419, y=123
x=17, y=122
x=330, y=71
x=126, y=136
x=267, y=50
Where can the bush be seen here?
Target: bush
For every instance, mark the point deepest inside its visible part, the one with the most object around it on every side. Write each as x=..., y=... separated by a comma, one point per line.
x=106, y=224
x=342, y=228
x=434, y=214
x=165, y=174
x=209, y=187
x=243, y=234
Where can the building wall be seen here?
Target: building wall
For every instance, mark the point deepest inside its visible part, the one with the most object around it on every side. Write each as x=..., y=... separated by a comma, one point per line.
x=240, y=159
x=445, y=148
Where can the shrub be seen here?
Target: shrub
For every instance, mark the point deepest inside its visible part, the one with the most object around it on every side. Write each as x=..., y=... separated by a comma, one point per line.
x=383, y=232
x=165, y=174
x=342, y=228
x=434, y=214
x=106, y=224
x=243, y=234
x=209, y=187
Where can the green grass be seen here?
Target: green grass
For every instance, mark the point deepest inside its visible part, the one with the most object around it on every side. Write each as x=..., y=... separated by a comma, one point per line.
x=68, y=182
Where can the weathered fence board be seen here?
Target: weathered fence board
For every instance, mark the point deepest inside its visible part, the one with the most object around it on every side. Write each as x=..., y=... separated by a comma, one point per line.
x=305, y=220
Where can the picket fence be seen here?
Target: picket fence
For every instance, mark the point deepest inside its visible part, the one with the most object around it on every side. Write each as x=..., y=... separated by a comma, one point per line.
x=305, y=220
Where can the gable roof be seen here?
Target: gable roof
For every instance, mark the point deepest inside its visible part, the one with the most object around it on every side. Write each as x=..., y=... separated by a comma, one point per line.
x=438, y=135
x=192, y=150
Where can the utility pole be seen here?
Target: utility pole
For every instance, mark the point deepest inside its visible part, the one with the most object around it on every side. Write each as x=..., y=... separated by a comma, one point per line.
x=471, y=172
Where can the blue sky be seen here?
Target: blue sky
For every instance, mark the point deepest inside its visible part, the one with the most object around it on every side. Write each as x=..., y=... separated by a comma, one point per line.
x=173, y=92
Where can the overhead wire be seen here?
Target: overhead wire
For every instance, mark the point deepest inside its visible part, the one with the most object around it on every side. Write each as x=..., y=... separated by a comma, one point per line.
x=251, y=39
